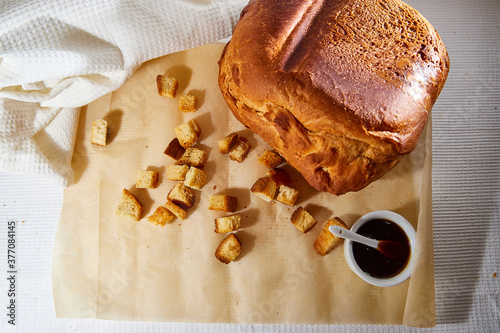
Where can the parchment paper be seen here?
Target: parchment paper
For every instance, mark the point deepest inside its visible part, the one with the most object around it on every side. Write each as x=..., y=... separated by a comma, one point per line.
x=106, y=266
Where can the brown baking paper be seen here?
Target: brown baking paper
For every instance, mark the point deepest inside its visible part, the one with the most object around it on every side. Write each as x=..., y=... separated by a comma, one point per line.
x=106, y=266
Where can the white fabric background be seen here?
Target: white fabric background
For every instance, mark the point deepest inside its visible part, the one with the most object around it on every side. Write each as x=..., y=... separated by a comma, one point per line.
x=58, y=55
x=466, y=175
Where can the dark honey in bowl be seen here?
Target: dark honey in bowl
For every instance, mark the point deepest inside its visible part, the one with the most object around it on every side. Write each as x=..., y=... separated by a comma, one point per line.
x=371, y=260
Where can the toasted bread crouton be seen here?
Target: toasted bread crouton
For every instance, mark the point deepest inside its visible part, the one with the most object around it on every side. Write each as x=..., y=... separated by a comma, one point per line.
x=195, y=178
x=161, y=216
x=228, y=249
x=176, y=210
x=182, y=196
x=227, y=224
x=188, y=133
x=129, y=206
x=187, y=103
x=303, y=220
x=327, y=241
x=270, y=159
x=222, y=203
x=287, y=195
x=177, y=172
x=147, y=179
x=240, y=150
x=99, y=132
x=280, y=176
x=227, y=143
x=194, y=157
x=167, y=85
x=265, y=188
x=174, y=149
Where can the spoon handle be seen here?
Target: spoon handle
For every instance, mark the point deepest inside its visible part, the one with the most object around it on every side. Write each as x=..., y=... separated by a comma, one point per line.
x=350, y=235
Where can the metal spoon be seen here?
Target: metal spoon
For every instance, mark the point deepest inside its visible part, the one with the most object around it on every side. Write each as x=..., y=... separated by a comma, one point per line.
x=391, y=249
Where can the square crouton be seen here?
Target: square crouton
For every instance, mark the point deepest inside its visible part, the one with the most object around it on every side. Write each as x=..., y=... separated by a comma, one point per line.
x=280, y=176
x=176, y=210
x=182, y=196
x=167, y=85
x=265, y=188
x=99, y=132
x=227, y=224
x=193, y=157
x=188, y=133
x=287, y=195
x=161, y=216
x=270, y=159
x=195, y=178
x=147, y=179
x=222, y=203
x=187, y=103
x=228, y=249
x=177, y=172
x=303, y=220
x=129, y=206
x=327, y=241
x=239, y=150
x=226, y=144
x=174, y=149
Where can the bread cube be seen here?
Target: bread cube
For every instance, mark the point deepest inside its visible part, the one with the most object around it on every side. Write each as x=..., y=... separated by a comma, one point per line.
x=280, y=176
x=327, y=241
x=222, y=203
x=193, y=157
x=176, y=210
x=188, y=133
x=239, y=150
x=287, y=195
x=270, y=159
x=129, y=206
x=174, y=149
x=195, y=178
x=167, y=85
x=265, y=188
x=228, y=249
x=99, y=132
x=161, y=216
x=187, y=103
x=303, y=220
x=182, y=196
x=227, y=224
x=226, y=144
x=147, y=179
x=177, y=172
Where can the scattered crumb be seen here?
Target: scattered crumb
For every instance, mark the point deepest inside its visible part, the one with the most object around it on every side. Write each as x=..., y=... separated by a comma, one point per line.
x=494, y=274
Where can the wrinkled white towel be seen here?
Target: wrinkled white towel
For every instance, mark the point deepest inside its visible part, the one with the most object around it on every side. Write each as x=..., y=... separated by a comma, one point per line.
x=56, y=56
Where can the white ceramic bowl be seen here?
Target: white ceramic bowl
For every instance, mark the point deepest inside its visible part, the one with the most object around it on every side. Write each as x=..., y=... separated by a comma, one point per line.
x=407, y=228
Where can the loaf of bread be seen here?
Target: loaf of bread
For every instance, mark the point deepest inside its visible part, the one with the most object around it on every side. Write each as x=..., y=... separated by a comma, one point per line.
x=341, y=89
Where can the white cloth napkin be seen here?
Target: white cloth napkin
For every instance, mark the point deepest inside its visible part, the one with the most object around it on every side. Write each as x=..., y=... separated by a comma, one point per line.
x=56, y=56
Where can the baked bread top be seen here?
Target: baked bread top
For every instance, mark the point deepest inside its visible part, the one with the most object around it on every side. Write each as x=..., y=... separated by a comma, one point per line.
x=342, y=89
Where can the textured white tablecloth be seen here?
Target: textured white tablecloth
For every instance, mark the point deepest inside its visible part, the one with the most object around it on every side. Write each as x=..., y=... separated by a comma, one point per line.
x=466, y=201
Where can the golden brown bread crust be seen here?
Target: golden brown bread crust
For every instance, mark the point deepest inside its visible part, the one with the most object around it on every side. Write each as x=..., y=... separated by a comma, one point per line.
x=341, y=89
